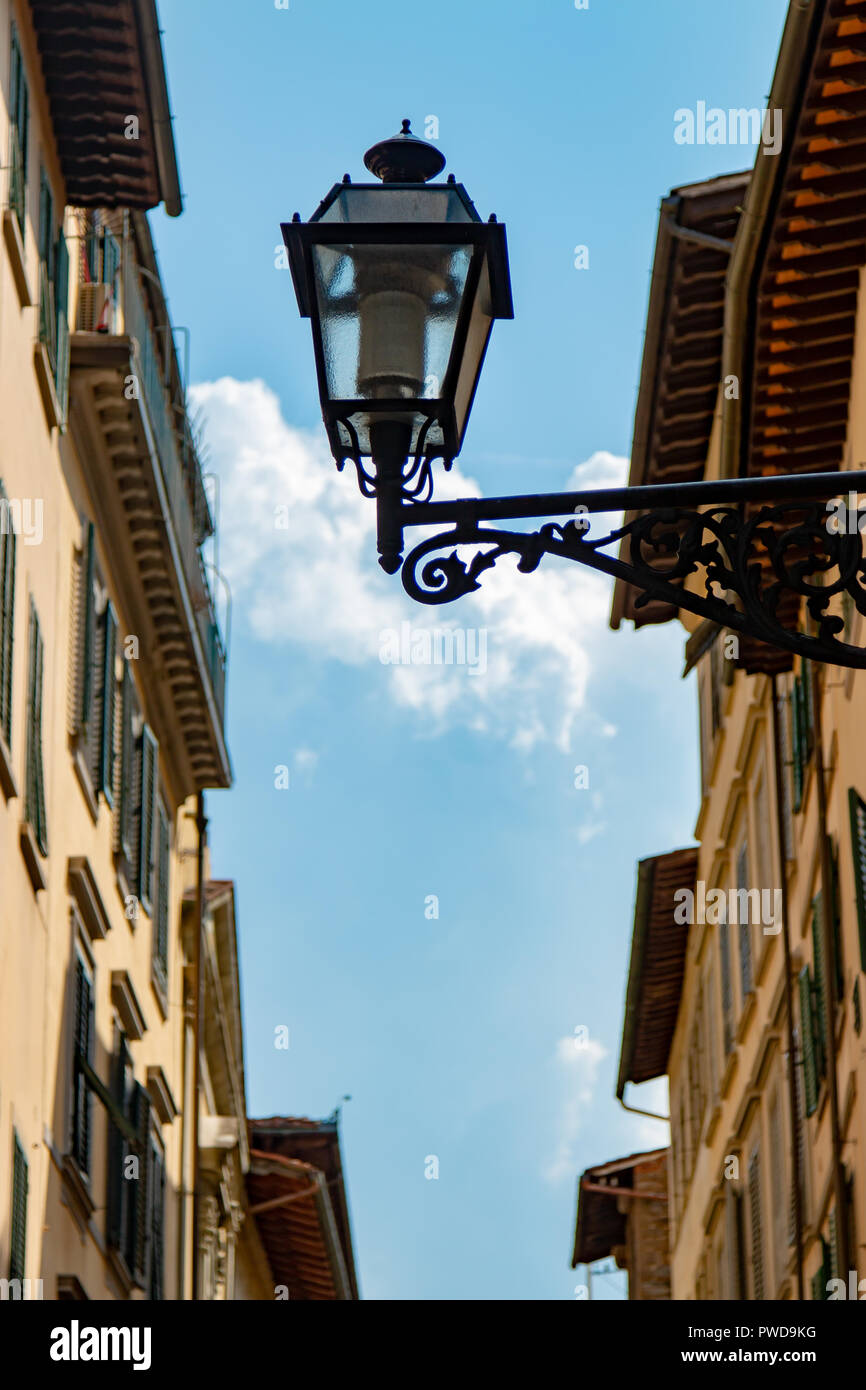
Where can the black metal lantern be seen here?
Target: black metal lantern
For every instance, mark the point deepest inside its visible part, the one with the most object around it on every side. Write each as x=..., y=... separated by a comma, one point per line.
x=402, y=281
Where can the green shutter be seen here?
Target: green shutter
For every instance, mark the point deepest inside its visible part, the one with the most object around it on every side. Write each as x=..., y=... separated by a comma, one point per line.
x=757, y=1234
x=118, y=1149
x=138, y=1253
x=105, y=781
x=819, y=966
x=61, y=309
x=35, y=793
x=7, y=615
x=857, y=809
x=162, y=889
x=18, y=1252
x=858, y=1017
x=157, y=1222
x=147, y=816
x=88, y=629
x=46, y=225
x=19, y=115
x=727, y=992
x=127, y=755
x=807, y=1040
x=83, y=1044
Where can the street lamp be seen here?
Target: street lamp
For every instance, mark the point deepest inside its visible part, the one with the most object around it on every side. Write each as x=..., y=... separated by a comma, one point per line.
x=402, y=281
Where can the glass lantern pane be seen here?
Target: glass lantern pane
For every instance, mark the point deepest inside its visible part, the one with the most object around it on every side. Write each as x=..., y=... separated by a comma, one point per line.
x=438, y=203
x=388, y=316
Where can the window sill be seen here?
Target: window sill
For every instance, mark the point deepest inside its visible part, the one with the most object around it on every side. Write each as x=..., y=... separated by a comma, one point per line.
x=15, y=248
x=7, y=777
x=32, y=857
x=85, y=783
x=47, y=388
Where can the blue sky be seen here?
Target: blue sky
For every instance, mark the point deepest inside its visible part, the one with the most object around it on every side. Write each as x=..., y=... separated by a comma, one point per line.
x=453, y=1035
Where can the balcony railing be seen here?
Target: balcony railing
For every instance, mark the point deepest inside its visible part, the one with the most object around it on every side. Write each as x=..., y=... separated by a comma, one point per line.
x=106, y=264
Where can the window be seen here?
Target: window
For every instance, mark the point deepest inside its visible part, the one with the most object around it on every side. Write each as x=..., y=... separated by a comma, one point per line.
x=857, y=810
x=801, y=728
x=137, y=838
x=156, y=1219
x=777, y=1185
x=34, y=806
x=82, y=1043
x=756, y=1226
x=18, y=1253
x=812, y=1039
x=801, y=1134
x=744, y=906
x=128, y=1166
x=96, y=681
x=162, y=891
x=7, y=614
x=53, y=292
x=145, y=817
x=19, y=127
x=727, y=991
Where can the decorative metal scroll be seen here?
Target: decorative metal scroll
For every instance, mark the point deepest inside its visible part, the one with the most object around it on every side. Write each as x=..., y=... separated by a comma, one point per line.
x=729, y=563
x=417, y=476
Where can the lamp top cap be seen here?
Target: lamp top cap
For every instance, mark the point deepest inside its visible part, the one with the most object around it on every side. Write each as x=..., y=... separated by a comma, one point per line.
x=404, y=158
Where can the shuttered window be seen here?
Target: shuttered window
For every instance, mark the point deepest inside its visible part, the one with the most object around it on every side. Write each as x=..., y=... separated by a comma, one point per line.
x=744, y=908
x=156, y=1222
x=727, y=992
x=7, y=614
x=147, y=753
x=778, y=1188
x=34, y=809
x=129, y=1169
x=20, y=1180
x=126, y=809
x=162, y=889
x=82, y=1052
x=87, y=619
x=19, y=133
x=821, y=1276
x=801, y=1146
x=107, y=706
x=756, y=1227
x=786, y=741
x=807, y=1040
x=857, y=809
x=819, y=983
x=801, y=728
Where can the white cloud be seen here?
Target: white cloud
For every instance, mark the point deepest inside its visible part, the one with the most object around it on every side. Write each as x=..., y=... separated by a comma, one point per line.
x=578, y=1062
x=297, y=543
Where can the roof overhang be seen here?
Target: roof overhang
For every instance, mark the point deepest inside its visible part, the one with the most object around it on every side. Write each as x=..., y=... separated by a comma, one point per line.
x=682, y=357
x=658, y=957
x=601, y=1223
x=102, y=63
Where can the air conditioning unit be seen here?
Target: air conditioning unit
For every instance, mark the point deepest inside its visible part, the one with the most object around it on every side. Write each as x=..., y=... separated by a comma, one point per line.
x=94, y=309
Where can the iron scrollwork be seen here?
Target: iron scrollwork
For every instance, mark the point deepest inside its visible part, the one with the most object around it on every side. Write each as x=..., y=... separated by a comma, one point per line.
x=745, y=558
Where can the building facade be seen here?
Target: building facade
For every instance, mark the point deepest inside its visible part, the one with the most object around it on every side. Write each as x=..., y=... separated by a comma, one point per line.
x=112, y=669
x=745, y=985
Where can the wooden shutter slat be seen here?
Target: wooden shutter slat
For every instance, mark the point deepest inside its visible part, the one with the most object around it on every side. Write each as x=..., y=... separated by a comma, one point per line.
x=807, y=1040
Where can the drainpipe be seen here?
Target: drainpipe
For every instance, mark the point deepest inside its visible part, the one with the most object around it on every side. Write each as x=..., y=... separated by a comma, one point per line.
x=793, y=1059
x=829, y=939
x=201, y=827
x=650, y=1114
